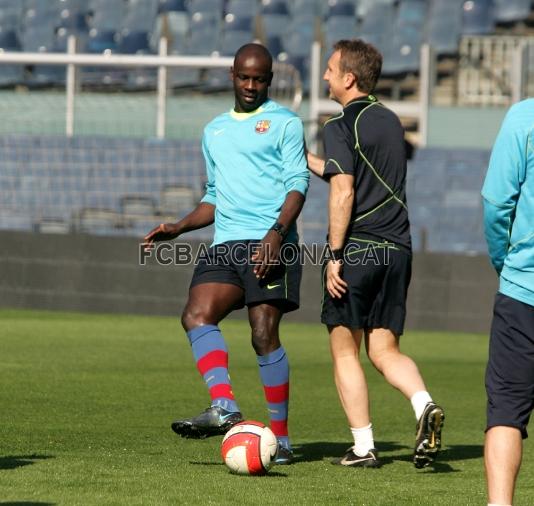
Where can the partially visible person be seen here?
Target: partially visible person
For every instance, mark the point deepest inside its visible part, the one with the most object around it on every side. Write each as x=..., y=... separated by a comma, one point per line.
x=257, y=182
x=508, y=196
x=366, y=300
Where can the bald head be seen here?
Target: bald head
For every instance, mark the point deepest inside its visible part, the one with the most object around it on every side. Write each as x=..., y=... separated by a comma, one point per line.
x=257, y=51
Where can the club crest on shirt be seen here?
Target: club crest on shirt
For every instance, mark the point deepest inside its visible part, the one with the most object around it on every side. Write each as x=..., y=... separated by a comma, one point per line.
x=262, y=126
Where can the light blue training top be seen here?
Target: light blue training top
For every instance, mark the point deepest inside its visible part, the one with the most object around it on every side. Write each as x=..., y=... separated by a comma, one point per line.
x=253, y=161
x=508, y=194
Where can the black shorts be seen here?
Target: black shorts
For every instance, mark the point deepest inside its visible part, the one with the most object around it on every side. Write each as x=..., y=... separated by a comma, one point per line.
x=378, y=280
x=510, y=370
x=230, y=262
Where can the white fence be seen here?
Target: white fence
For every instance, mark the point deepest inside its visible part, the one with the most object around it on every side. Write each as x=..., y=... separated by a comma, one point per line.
x=492, y=70
x=286, y=85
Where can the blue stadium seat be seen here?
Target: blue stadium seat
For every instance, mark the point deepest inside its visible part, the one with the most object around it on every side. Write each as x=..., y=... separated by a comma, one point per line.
x=341, y=8
x=140, y=15
x=378, y=25
x=242, y=8
x=214, y=7
x=478, y=17
x=165, y=6
x=107, y=15
x=274, y=45
x=300, y=7
x=412, y=12
x=403, y=55
x=238, y=23
x=298, y=43
x=275, y=24
x=365, y=5
x=131, y=42
x=10, y=74
x=339, y=27
x=444, y=26
x=175, y=26
x=101, y=40
x=274, y=7
x=509, y=11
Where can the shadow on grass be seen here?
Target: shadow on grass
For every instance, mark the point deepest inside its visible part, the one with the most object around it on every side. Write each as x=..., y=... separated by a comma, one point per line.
x=26, y=503
x=197, y=463
x=310, y=452
x=16, y=461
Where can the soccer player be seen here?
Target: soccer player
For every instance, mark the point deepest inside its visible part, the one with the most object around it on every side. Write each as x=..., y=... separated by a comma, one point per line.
x=257, y=182
x=367, y=275
x=508, y=196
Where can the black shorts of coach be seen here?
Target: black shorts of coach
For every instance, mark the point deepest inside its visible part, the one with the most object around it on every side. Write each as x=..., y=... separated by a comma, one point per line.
x=377, y=280
x=230, y=262
x=510, y=370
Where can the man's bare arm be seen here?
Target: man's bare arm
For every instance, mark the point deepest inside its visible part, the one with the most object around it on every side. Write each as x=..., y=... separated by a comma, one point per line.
x=315, y=164
x=340, y=208
x=202, y=216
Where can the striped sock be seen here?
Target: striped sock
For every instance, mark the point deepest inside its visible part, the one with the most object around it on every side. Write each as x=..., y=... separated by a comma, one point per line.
x=211, y=356
x=274, y=373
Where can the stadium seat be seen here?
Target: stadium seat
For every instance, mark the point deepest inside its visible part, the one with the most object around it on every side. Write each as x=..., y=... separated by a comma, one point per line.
x=341, y=8
x=98, y=221
x=403, y=54
x=339, y=27
x=214, y=7
x=10, y=74
x=274, y=7
x=378, y=25
x=138, y=205
x=165, y=6
x=101, y=41
x=174, y=26
x=52, y=226
x=299, y=7
x=131, y=42
x=177, y=200
x=510, y=11
x=444, y=26
x=243, y=8
x=478, y=17
x=237, y=23
x=298, y=43
x=72, y=20
x=107, y=15
x=274, y=45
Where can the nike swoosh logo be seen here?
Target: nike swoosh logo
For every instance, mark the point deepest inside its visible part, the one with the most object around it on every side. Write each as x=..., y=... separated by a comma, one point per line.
x=224, y=417
x=346, y=462
x=270, y=287
x=218, y=132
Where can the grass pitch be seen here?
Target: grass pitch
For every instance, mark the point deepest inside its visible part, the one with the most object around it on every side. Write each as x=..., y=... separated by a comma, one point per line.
x=86, y=403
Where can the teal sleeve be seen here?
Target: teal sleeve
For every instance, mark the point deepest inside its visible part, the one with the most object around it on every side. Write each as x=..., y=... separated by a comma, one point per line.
x=209, y=196
x=295, y=168
x=501, y=188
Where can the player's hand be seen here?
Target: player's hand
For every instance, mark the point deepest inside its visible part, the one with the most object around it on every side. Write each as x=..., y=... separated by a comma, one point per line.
x=163, y=232
x=266, y=256
x=334, y=283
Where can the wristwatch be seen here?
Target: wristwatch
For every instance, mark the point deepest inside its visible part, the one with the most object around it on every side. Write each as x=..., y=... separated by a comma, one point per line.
x=280, y=229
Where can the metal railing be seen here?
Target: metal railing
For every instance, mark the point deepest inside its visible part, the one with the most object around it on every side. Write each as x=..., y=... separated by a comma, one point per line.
x=285, y=74
x=417, y=110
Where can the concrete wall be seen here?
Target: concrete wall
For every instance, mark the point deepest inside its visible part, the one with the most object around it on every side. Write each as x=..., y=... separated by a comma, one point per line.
x=102, y=274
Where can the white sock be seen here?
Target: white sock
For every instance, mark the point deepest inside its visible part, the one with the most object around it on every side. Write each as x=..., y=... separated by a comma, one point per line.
x=495, y=504
x=363, y=440
x=419, y=400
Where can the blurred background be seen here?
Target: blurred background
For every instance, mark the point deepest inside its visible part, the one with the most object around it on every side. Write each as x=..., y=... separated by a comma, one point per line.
x=106, y=163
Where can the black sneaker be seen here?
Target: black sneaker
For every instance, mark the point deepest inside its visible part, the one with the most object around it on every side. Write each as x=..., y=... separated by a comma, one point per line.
x=213, y=421
x=428, y=435
x=350, y=459
x=284, y=456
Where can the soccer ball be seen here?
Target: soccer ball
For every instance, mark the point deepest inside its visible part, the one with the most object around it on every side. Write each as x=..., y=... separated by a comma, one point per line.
x=249, y=447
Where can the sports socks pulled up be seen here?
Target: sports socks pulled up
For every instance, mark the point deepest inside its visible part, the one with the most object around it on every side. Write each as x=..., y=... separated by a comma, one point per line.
x=211, y=356
x=274, y=374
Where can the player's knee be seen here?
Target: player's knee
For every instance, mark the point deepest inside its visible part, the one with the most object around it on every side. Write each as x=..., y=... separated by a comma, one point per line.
x=192, y=318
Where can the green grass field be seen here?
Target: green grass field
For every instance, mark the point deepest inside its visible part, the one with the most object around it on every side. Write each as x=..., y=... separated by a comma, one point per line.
x=86, y=403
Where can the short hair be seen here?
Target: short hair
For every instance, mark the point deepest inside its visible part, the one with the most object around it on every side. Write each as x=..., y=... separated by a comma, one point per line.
x=361, y=59
x=258, y=50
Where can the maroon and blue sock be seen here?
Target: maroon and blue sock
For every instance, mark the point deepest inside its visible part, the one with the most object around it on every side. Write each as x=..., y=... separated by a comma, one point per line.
x=211, y=356
x=274, y=373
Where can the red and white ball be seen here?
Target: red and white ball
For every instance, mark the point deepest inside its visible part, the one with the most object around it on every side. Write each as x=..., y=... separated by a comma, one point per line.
x=249, y=447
